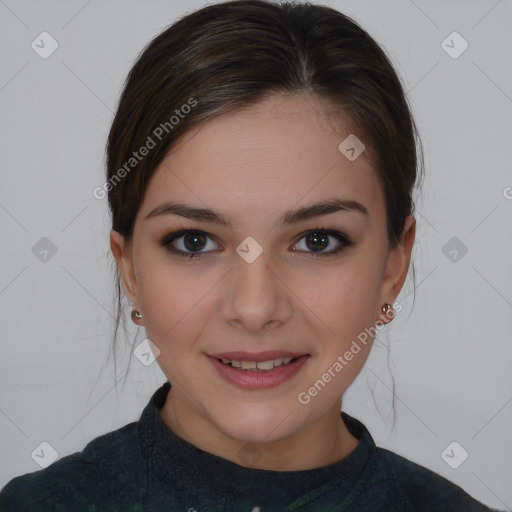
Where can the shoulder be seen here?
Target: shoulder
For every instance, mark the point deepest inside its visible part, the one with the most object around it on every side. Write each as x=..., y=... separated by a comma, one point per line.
x=421, y=489
x=108, y=466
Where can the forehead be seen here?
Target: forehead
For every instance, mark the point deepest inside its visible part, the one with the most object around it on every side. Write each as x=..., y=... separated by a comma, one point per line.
x=271, y=156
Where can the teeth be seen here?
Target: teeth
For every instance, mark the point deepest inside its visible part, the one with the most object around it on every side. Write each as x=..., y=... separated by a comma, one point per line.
x=262, y=365
x=265, y=365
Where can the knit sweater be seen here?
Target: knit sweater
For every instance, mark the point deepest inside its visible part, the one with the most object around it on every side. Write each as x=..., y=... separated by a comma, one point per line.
x=144, y=466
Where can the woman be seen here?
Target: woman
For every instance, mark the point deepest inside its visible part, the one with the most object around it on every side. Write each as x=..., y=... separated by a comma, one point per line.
x=260, y=172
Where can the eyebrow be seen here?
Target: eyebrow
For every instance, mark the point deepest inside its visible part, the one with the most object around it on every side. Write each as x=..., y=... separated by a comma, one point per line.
x=290, y=217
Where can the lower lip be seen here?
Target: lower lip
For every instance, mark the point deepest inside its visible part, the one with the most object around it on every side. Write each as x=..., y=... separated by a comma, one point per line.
x=247, y=379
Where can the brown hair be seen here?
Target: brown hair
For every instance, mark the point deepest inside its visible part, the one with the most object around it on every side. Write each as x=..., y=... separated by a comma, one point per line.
x=229, y=56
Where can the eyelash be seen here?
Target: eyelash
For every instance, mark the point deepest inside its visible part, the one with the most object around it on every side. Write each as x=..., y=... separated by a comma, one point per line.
x=340, y=237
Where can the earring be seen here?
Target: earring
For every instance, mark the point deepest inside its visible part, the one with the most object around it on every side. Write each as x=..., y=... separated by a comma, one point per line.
x=136, y=315
x=386, y=308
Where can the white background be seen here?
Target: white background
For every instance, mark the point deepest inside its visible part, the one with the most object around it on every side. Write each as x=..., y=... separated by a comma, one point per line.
x=450, y=354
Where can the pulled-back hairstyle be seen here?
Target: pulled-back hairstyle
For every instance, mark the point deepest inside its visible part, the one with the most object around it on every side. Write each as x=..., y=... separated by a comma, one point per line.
x=229, y=56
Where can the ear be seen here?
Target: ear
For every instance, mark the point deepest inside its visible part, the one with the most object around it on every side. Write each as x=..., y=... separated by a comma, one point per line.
x=397, y=265
x=123, y=254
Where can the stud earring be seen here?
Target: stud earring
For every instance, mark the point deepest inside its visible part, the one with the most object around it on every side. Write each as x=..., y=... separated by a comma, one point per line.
x=136, y=315
x=386, y=308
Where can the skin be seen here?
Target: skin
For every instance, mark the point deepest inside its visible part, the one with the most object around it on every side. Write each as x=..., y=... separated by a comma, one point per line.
x=252, y=166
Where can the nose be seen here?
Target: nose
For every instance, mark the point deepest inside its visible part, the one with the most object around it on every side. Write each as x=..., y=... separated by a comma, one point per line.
x=256, y=297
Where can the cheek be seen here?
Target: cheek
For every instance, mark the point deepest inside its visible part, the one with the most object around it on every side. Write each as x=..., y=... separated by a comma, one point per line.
x=174, y=301
x=342, y=298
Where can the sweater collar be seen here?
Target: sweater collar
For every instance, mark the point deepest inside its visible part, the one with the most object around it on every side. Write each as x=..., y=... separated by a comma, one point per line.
x=173, y=459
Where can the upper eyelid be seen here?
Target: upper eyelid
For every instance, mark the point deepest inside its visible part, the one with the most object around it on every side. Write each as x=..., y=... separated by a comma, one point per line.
x=175, y=235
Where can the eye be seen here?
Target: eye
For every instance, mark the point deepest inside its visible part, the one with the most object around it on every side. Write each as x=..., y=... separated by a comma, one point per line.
x=316, y=240
x=191, y=243
x=187, y=240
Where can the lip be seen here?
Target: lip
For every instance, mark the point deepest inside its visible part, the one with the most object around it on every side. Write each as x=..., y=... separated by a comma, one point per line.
x=257, y=357
x=246, y=379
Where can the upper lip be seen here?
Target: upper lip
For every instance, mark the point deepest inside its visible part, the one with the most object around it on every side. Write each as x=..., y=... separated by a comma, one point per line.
x=257, y=357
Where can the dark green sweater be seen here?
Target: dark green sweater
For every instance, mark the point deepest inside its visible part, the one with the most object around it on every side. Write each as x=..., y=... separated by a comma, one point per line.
x=144, y=466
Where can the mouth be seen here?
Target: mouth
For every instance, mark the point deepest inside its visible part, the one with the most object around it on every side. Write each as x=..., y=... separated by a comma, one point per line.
x=258, y=371
x=258, y=366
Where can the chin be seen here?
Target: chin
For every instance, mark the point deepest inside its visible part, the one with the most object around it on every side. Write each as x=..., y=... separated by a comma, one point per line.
x=259, y=425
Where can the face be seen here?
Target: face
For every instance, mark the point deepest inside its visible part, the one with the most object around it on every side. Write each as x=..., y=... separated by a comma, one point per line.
x=258, y=275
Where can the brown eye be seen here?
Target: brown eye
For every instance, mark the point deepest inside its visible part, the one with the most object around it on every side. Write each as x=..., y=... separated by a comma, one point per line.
x=193, y=241
x=317, y=240
x=188, y=243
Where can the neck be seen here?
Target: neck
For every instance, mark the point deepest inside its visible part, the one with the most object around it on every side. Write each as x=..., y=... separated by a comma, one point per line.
x=321, y=443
